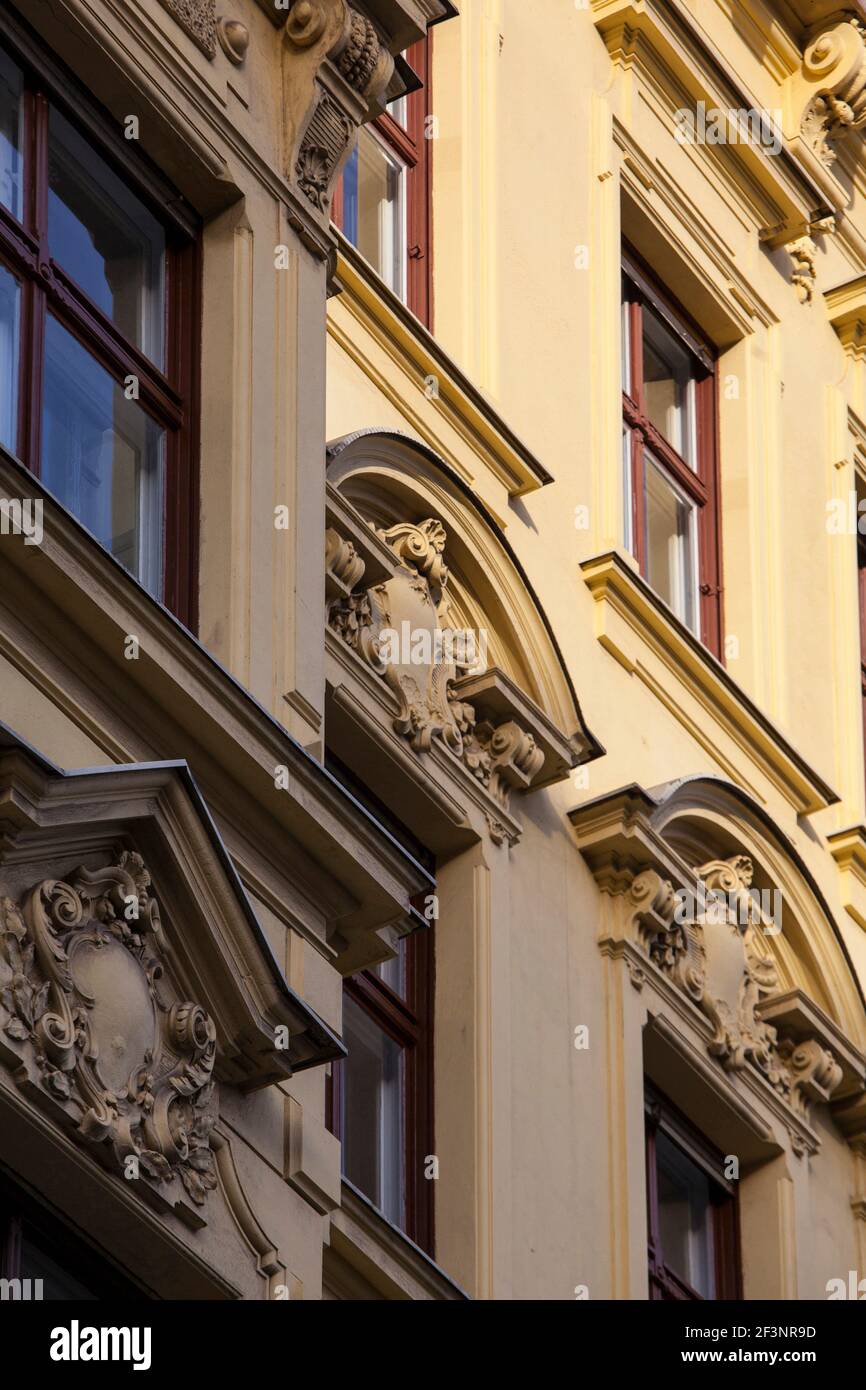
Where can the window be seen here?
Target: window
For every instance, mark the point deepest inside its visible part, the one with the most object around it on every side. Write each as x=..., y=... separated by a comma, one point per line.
x=670, y=456
x=381, y=1094
x=382, y=201
x=691, y=1211
x=36, y=1245
x=98, y=283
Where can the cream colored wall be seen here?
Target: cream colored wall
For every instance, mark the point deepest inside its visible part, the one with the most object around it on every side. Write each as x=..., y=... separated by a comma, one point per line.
x=540, y=139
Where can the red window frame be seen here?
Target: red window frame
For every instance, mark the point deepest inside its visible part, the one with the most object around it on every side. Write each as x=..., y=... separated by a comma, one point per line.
x=171, y=397
x=408, y=1020
x=701, y=485
x=664, y=1283
x=412, y=147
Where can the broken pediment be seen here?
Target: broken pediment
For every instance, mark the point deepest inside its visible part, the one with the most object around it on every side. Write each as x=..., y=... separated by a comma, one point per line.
x=135, y=979
x=406, y=630
x=705, y=939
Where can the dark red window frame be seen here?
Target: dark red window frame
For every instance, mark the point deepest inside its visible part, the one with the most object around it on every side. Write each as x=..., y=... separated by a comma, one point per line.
x=409, y=1022
x=172, y=397
x=665, y=1284
x=700, y=485
x=413, y=148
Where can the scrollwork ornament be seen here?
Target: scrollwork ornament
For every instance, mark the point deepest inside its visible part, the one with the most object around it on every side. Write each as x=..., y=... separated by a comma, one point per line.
x=79, y=984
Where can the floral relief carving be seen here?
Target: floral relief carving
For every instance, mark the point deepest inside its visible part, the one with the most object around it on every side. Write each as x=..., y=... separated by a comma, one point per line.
x=414, y=607
x=715, y=957
x=198, y=19
x=325, y=141
x=80, y=972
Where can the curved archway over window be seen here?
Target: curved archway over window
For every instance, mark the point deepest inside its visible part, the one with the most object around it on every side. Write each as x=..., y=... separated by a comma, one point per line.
x=414, y=560
x=721, y=918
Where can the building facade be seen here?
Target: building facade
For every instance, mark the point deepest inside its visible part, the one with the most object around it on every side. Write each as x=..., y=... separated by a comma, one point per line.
x=432, y=771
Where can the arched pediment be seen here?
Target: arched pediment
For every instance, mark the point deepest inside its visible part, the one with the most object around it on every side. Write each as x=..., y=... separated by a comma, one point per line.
x=437, y=645
x=710, y=905
x=708, y=817
x=392, y=479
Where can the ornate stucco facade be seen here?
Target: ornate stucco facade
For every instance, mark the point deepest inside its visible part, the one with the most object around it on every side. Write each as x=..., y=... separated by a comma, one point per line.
x=211, y=819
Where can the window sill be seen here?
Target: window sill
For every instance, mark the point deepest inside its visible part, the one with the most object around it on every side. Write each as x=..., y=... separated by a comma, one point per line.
x=387, y=321
x=369, y=1258
x=848, y=848
x=649, y=641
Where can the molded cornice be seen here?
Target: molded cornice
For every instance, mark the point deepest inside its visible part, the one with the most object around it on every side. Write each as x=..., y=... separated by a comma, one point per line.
x=646, y=638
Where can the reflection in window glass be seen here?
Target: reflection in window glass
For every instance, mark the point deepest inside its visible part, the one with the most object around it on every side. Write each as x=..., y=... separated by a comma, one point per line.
x=671, y=542
x=106, y=239
x=668, y=373
x=372, y=1119
x=685, y=1218
x=11, y=117
x=393, y=972
x=10, y=297
x=374, y=213
x=626, y=341
x=628, y=523
x=102, y=456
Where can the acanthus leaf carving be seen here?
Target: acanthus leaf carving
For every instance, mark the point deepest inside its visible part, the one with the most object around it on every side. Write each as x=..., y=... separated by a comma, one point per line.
x=834, y=78
x=79, y=982
x=713, y=955
x=402, y=630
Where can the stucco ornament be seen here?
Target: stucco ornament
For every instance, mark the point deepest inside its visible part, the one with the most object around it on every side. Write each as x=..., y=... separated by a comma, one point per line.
x=804, y=255
x=341, y=48
x=834, y=82
x=198, y=19
x=716, y=957
x=404, y=629
x=79, y=984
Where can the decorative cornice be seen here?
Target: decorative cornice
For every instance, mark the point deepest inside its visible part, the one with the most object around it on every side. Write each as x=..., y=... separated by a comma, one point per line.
x=646, y=637
x=377, y=316
x=848, y=848
x=846, y=307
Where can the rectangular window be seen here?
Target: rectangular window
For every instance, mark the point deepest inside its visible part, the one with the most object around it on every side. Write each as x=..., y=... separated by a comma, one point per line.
x=381, y=1099
x=670, y=457
x=37, y=1245
x=98, y=326
x=691, y=1211
x=382, y=203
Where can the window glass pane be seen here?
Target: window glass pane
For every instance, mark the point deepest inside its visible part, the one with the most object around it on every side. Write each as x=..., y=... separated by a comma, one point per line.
x=669, y=387
x=628, y=504
x=373, y=1111
x=393, y=972
x=106, y=239
x=399, y=110
x=57, y=1283
x=373, y=209
x=102, y=456
x=11, y=118
x=10, y=297
x=626, y=339
x=685, y=1217
x=671, y=543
